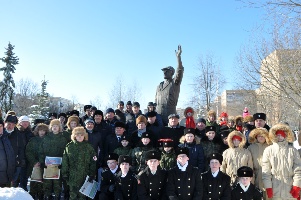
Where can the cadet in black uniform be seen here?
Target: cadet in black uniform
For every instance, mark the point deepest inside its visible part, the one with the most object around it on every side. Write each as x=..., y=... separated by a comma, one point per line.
x=244, y=189
x=153, y=179
x=126, y=184
x=184, y=181
x=108, y=181
x=216, y=183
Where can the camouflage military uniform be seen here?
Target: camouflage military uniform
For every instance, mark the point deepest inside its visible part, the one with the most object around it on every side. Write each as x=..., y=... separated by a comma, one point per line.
x=124, y=151
x=138, y=157
x=53, y=145
x=79, y=160
x=168, y=160
x=67, y=135
x=32, y=156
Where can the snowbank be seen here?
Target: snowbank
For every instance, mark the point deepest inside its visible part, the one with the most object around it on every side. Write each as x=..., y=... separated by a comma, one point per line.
x=14, y=193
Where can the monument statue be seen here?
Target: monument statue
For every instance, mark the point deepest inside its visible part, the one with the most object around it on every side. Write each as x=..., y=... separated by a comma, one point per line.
x=168, y=91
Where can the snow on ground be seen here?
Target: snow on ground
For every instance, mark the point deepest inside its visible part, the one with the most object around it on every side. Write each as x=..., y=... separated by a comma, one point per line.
x=14, y=194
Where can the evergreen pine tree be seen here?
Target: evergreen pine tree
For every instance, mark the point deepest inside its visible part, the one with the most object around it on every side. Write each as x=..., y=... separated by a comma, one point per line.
x=7, y=85
x=41, y=110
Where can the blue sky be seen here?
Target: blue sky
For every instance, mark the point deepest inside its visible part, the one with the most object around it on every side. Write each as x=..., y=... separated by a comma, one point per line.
x=83, y=46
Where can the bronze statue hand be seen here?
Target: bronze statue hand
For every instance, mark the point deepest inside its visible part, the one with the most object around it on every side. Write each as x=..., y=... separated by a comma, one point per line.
x=178, y=53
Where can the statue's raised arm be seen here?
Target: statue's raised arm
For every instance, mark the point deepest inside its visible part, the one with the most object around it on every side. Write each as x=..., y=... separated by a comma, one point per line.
x=180, y=69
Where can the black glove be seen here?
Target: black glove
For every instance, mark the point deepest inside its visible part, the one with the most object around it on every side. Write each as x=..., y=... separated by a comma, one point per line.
x=59, y=166
x=112, y=188
x=90, y=179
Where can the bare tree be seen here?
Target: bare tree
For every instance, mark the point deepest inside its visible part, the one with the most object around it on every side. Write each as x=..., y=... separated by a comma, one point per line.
x=272, y=67
x=117, y=93
x=97, y=102
x=206, y=83
x=133, y=92
x=288, y=8
x=25, y=96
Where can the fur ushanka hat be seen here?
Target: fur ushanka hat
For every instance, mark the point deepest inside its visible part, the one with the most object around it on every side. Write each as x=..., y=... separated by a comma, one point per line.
x=259, y=131
x=236, y=133
x=283, y=128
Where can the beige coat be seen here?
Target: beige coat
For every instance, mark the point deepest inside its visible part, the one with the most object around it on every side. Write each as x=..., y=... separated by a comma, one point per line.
x=281, y=165
x=256, y=150
x=234, y=158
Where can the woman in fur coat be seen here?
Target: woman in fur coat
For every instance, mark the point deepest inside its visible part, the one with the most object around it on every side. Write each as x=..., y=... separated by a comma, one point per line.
x=259, y=140
x=236, y=155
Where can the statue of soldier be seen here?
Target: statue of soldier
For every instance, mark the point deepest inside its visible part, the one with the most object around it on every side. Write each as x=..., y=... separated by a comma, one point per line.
x=168, y=91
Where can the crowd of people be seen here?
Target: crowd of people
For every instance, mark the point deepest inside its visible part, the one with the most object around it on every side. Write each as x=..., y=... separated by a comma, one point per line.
x=137, y=156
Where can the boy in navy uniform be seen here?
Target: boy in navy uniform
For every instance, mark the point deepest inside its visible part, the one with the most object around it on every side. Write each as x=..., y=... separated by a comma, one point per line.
x=184, y=181
x=108, y=181
x=216, y=183
x=244, y=189
x=153, y=179
x=126, y=184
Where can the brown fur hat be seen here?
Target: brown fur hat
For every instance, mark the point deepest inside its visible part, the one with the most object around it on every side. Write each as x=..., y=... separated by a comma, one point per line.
x=232, y=134
x=55, y=122
x=238, y=118
x=39, y=127
x=72, y=118
x=248, y=118
x=141, y=118
x=79, y=131
x=259, y=131
x=283, y=127
x=211, y=112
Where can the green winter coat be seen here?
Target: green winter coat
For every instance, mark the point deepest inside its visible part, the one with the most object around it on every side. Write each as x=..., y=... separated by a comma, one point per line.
x=53, y=145
x=67, y=134
x=32, y=152
x=79, y=160
x=168, y=160
x=123, y=151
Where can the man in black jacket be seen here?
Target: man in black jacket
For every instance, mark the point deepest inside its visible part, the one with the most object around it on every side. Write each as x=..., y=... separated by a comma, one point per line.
x=7, y=158
x=25, y=130
x=113, y=141
x=17, y=141
x=173, y=131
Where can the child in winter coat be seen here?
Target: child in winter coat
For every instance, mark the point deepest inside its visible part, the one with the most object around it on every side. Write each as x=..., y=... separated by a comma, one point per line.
x=32, y=156
x=53, y=145
x=125, y=147
x=168, y=156
x=79, y=160
x=138, y=153
x=281, y=165
x=236, y=155
x=73, y=121
x=259, y=140
x=196, y=152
